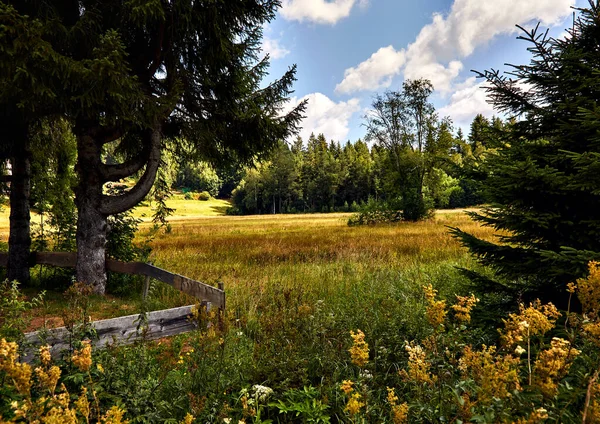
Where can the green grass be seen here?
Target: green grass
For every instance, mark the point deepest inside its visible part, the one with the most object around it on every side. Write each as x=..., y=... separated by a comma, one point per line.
x=185, y=209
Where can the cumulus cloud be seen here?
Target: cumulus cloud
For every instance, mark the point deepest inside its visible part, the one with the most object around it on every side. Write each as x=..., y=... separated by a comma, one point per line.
x=374, y=73
x=468, y=100
x=319, y=11
x=323, y=115
x=273, y=48
x=440, y=45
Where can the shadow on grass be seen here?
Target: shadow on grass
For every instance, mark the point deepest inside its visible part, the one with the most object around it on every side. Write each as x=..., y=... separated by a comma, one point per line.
x=221, y=210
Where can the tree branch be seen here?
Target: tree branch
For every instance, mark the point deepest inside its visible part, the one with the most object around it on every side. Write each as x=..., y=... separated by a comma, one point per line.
x=105, y=135
x=111, y=205
x=125, y=169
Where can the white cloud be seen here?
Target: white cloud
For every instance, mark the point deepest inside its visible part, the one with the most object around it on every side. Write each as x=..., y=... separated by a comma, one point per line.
x=437, y=50
x=273, y=48
x=374, y=73
x=468, y=100
x=319, y=11
x=323, y=115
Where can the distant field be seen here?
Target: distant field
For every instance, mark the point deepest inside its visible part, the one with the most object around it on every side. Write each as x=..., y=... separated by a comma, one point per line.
x=184, y=209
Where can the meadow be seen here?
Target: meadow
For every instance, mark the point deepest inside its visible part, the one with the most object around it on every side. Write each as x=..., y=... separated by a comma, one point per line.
x=325, y=322
x=317, y=256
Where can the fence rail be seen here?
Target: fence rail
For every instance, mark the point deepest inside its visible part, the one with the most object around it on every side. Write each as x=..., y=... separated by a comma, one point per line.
x=125, y=330
x=201, y=291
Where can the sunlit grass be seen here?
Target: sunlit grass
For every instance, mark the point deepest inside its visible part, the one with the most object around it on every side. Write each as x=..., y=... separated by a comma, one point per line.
x=318, y=254
x=185, y=209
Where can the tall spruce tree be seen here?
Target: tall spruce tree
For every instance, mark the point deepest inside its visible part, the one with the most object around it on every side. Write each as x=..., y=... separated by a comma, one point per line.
x=140, y=71
x=27, y=78
x=543, y=188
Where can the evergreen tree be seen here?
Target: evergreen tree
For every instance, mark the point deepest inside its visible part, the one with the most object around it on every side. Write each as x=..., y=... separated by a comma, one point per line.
x=139, y=71
x=543, y=187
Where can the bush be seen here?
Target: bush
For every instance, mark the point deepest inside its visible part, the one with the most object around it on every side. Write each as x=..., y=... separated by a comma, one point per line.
x=204, y=196
x=13, y=306
x=375, y=212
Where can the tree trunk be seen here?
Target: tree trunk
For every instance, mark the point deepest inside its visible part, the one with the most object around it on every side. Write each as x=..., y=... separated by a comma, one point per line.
x=94, y=208
x=91, y=223
x=19, y=241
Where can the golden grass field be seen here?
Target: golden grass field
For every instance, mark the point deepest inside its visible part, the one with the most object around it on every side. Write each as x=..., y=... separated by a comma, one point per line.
x=317, y=254
x=312, y=253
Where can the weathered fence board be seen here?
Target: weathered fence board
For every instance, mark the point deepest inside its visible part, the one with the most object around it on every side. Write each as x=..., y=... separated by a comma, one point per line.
x=122, y=330
x=199, y=290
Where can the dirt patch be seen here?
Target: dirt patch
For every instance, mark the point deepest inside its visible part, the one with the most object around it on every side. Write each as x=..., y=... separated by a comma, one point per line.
x=37, y=323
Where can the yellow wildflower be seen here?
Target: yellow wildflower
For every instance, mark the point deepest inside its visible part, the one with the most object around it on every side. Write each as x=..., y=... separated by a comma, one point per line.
x=48, y=379
x=391, y=396
x=248, y=410
x=537, y=416
x=20, y=373
x=114, y=416
x=552, y=365
x=537, y=319
x=360, y=349
x=591, y=413
x=418, y=366
x=465, y=407
x=436, y=309
x=346, y=386
x=83, y=405
x=354, y=404
x=100, y=368
x=399, y=412
x=82, y=358
x=189, y=418
x=462, y=310
x=496, y=375
x=588, y=291
x=592, y=332
x=45, y=356
x=59, y=415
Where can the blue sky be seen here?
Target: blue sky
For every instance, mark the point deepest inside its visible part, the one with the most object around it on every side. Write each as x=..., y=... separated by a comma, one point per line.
x=349, y=50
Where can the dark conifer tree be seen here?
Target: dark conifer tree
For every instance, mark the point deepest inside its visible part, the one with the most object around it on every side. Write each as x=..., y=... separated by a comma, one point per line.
x=134, y=73
x=543, y=188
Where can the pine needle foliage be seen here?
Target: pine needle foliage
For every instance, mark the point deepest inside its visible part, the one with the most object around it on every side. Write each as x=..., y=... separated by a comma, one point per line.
x=543, y=188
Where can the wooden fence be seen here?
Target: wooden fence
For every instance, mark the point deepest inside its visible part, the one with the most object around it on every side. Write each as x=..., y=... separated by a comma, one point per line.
x=159, y=324
x=201, y=291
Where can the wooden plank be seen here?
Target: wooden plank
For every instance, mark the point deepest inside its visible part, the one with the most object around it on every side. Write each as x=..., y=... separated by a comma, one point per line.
x=122, y=330
x=135, y=268
x=194, y=288
x=199, y=290
x=60, y=259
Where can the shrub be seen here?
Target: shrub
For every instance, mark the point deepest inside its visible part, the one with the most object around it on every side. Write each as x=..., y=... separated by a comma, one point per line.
x=204, y=196
x=13, y=306
x=375, y=212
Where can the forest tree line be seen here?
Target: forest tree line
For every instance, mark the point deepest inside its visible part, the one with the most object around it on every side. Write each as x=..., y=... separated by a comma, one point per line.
x=320, y=176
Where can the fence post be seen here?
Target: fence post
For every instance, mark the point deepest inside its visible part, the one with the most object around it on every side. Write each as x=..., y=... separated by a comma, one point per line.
x=146, y=285
x=221, y=286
